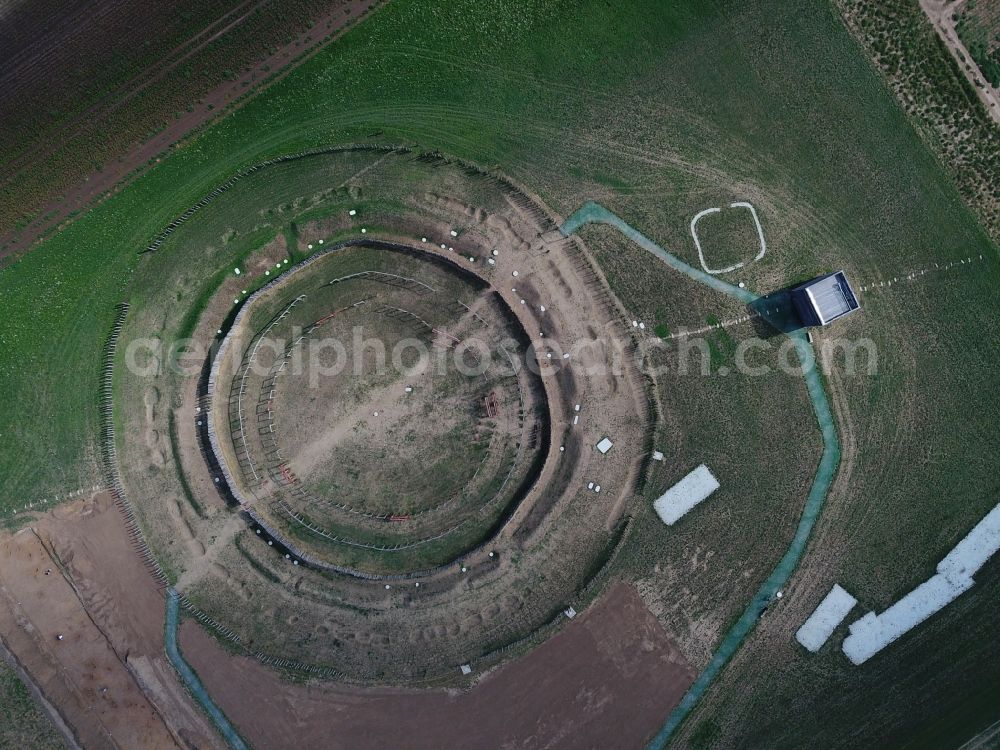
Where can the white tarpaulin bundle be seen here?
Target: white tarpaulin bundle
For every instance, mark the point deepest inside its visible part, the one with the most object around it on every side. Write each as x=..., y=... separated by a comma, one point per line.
x=686, y=494
x=825, y=618
x=872, y=633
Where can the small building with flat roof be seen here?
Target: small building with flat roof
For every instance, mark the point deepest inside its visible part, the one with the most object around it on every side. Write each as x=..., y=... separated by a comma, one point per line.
x=823, y=300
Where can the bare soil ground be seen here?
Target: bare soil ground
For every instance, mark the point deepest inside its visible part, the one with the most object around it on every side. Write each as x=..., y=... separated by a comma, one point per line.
x=362, y=438
x=359, y=446
x=606, y=680
x=75, y=575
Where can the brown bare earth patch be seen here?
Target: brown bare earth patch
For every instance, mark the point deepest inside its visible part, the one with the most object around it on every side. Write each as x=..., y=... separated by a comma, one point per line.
x=74, y=574
x=606, y=680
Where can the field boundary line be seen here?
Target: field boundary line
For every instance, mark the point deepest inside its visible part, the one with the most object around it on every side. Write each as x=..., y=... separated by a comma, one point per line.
x=79, y=492
x=246, y=172
x=875, y=285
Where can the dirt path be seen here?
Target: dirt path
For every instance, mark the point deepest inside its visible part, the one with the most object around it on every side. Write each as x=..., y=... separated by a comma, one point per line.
x=941, y=13
x=604, y=681
x=988, y=738
x=85, y=620
x=198, y=565
x=214, y=105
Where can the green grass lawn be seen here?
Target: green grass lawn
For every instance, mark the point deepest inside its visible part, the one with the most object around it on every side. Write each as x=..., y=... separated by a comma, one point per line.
x=683, y=101
x=22, y=723
x=657, y=110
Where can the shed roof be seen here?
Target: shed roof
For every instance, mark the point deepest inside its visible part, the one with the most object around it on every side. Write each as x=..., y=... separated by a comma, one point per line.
x=824, y=299
x=831, y=296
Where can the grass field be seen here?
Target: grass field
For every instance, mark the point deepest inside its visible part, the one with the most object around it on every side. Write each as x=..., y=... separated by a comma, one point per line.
x=657, y=111
x=452, y=103
x=22, y=723
x=696, y=575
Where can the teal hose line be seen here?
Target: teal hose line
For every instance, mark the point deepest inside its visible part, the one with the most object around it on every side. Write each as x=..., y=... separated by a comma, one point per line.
x=593, y=213
x=191, y=680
